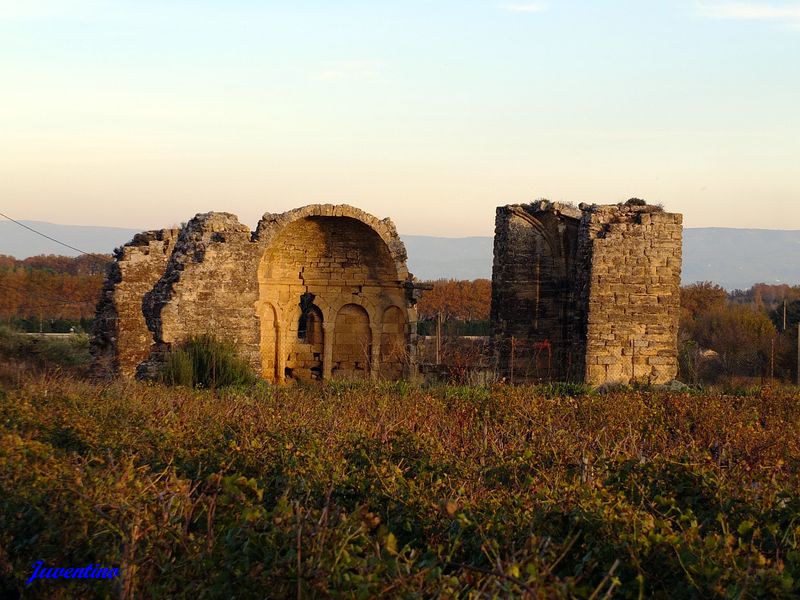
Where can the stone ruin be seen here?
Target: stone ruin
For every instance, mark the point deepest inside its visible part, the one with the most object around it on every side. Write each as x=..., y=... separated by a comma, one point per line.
x=318, y=292
x=588, y=294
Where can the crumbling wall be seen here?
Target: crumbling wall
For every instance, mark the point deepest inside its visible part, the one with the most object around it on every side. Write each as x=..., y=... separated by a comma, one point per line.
x=532, y=290
x=209, y=286
x=121, y=338
x=318, y=292
x=589, y=294
x=631, y=255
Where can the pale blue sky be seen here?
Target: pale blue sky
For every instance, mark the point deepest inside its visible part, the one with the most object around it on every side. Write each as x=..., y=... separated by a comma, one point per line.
x=432, y=112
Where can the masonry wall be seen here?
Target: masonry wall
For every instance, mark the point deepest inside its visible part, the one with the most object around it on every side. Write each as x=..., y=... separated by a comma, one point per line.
x=589, y=294
x=532, y=290
x=317, y=292
x=209, y=287
x=631, y=306
x=121, y=338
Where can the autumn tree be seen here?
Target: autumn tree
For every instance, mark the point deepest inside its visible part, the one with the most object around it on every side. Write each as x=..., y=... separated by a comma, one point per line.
x=701, y=297
x=457, y=299
x=50, y=287
x=741, y=335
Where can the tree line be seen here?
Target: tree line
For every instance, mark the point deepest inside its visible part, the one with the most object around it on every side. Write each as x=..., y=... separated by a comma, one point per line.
x=743, y=333
x=50, y=293
x=748, y=334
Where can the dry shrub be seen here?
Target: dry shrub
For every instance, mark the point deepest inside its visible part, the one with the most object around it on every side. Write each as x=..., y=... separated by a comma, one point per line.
x=354, y=489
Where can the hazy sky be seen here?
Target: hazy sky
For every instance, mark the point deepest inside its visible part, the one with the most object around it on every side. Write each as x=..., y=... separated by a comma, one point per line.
x=433, y=112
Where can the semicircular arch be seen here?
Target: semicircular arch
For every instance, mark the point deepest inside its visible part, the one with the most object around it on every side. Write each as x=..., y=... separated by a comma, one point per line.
x=271, y=225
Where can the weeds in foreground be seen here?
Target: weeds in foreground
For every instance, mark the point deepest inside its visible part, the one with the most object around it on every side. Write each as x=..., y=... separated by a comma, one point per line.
x=391, y=490
x=206, y=362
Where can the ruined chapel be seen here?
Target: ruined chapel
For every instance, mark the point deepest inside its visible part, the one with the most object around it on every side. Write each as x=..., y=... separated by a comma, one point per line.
x=318, y=292
x=588, y=294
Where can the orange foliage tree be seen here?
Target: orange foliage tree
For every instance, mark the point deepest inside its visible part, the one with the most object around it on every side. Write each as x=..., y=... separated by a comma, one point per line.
x=457, y=299
x=50, y=287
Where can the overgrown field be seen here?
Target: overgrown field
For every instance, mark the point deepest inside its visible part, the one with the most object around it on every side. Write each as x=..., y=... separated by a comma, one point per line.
x=360, y=490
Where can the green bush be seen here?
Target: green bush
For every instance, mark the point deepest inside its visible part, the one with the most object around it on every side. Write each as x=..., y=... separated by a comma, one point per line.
x=207, y=362
x=44, y=352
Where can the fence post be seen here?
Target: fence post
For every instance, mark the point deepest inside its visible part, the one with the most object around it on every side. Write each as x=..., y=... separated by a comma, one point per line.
x=784, y=314
x=438, y=337
x=513, y=348
x=772, y=364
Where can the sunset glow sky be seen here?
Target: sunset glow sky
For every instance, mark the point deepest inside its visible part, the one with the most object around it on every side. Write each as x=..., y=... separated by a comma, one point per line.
x=432, y=112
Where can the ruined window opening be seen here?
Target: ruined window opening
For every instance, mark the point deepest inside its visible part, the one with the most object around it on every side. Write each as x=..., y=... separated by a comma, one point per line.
x=310, y=323
x=306, y=302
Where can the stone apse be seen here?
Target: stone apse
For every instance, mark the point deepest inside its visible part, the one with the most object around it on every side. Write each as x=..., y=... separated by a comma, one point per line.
x=588, y=294
x=318, y=292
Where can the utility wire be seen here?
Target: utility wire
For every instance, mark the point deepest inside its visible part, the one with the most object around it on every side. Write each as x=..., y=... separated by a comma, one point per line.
x=52, y=239
x=61, y=301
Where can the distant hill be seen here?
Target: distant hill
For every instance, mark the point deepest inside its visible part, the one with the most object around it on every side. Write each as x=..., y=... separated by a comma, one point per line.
x=21, y=243
x=738, y=258
x=733, y=258
x=452, y=258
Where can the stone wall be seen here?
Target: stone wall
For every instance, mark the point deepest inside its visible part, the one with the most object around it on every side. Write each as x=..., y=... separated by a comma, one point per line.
x=533, y=290
x=589, y=294
x=121, y=338
x=631, y=305
x=209, y=286
x=318, y=292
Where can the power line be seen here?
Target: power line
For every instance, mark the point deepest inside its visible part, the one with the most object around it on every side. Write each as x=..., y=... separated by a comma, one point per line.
x=52, y=239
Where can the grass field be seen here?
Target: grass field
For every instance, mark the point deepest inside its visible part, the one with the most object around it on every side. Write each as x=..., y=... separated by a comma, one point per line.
x=358, y=490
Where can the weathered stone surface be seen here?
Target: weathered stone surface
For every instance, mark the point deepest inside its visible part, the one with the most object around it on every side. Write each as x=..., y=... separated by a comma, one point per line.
x=532, y=296
x=594, y=291
x=121, y=338
x=317, y=292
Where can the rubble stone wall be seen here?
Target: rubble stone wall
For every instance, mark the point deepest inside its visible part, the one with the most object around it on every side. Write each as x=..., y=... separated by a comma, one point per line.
x=209, y=287
x=121, y=338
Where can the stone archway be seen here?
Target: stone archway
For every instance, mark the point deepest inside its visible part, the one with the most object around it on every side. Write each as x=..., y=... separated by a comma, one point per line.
x=352, y=266
x=306, y=357
x=530, y=318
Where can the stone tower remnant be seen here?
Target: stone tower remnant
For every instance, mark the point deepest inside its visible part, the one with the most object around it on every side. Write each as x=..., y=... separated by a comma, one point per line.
x=318, y=292
x=588, y=294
